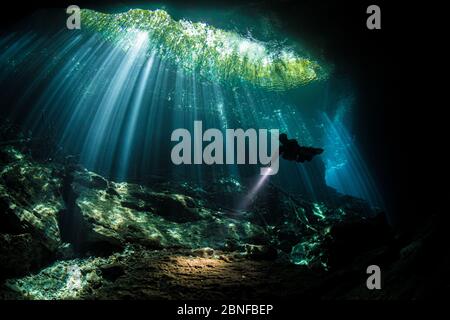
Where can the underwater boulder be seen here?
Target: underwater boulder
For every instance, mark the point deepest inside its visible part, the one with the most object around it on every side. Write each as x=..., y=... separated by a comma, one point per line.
x=260, y=252
x=69, y=279
x=112, y=271
x=351, y=238
x=136, y=214
x=20, y=254
x=172, y=207
x=90, y=179
x=203, y=252
x=30, y=199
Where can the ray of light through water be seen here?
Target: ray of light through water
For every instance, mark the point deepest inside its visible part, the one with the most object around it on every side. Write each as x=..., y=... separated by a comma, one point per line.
x=116, y=108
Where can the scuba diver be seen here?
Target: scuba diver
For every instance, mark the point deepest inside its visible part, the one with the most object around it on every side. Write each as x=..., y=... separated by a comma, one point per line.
x=291, y=150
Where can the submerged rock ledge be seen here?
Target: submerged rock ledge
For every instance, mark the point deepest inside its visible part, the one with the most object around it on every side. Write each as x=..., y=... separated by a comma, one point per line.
x=68, y=233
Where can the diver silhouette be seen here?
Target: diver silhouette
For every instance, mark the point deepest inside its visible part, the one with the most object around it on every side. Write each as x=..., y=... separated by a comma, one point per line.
x=291, y=150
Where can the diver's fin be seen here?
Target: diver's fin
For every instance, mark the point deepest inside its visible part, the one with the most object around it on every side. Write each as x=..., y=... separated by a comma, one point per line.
x=318, y=150
x=314, y=151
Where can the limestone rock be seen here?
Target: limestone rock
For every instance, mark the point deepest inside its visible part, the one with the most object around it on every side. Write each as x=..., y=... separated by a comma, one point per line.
x=20, y=254
x=29, y=198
